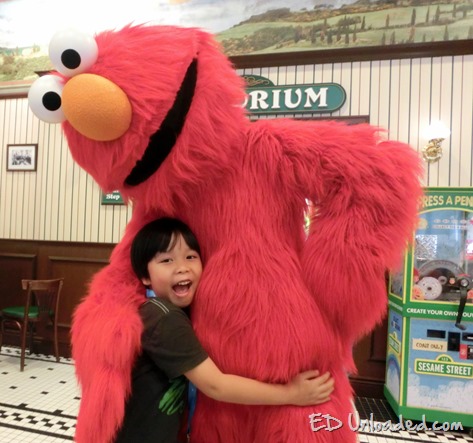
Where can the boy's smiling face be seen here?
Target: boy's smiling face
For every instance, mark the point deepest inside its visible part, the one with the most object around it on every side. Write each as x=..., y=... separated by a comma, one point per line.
x=175, y=274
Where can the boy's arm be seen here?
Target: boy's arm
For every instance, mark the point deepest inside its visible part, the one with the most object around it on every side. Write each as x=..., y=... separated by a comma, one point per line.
x=307, y=388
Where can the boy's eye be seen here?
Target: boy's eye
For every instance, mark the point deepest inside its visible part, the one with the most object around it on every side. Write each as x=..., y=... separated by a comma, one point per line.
x=164, y=260
x=192, y=257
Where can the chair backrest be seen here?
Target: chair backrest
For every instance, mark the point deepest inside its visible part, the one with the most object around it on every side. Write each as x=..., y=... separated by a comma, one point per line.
x=44, y=294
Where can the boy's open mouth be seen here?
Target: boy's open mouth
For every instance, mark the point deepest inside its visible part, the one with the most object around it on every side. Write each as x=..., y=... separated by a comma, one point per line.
x=181, y=289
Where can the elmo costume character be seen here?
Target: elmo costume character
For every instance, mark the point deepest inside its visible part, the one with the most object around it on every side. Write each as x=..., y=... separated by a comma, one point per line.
x=156, y=113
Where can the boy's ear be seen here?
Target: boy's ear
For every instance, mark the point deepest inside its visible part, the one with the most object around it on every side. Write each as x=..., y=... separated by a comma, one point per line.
x=146, y=281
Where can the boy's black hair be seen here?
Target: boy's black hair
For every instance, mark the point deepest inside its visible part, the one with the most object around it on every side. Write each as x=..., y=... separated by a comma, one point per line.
x=158, y=236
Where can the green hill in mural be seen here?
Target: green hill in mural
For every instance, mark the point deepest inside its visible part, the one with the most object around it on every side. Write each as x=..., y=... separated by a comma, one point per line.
x=363, y=23
x=21, y=63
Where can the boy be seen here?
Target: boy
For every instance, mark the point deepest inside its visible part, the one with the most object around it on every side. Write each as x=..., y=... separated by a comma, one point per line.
x=165, y=256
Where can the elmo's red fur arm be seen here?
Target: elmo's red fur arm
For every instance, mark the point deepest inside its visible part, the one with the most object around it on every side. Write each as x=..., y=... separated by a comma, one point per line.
x=366, y=195
x=106, y=338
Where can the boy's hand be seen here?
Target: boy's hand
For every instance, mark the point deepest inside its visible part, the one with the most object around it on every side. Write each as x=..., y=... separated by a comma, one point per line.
x=310, y=388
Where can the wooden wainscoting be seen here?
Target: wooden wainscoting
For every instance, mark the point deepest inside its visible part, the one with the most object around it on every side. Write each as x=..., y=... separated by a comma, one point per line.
x=370, y=359
x=76, y=262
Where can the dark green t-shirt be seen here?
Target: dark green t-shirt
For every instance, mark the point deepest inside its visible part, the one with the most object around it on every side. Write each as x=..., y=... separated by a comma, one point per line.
x=153, y=413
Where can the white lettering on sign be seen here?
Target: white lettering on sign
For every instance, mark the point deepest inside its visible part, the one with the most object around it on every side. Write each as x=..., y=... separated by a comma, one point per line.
x=313, y=97
x=287, y=98
x=276, y=96
x=261, y=99
x=258, y=100
x=416, y=311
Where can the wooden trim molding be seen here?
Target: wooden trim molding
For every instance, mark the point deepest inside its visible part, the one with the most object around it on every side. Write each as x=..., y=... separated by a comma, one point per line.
x=344, y=55
x=79, y=260
x=19, y=256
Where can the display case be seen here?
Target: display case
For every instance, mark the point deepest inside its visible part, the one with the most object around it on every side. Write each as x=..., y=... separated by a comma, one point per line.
x=429, y=364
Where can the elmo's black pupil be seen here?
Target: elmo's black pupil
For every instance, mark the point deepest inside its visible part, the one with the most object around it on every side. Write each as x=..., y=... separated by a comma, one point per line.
x=70, y=58
x=51, y=101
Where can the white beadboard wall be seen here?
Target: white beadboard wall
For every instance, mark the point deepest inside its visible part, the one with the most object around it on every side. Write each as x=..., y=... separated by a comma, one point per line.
x=61, y=202
x=58, y=201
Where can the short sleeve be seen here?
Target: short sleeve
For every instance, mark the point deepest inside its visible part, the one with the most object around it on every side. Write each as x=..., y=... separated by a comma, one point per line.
x=169, y=340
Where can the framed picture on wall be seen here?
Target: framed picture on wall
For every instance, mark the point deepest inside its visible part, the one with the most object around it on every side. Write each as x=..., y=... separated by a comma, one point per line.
x=22, y=157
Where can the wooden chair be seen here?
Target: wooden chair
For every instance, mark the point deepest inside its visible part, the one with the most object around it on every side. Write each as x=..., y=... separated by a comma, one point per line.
x=39, y=312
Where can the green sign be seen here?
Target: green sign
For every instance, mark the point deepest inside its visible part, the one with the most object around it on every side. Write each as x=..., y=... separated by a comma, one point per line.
x=321, y=97
x=444, y=311
x=447, y=199
x=443, y=365
x=394, y=343
x=112, y=198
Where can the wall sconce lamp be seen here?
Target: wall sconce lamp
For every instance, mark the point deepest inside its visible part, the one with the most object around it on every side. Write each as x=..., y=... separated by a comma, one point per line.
x=436, y=133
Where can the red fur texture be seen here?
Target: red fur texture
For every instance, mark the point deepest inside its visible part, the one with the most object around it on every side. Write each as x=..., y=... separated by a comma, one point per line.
x=271, y=302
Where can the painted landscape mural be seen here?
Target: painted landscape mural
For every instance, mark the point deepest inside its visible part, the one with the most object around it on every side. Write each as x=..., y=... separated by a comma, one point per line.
x=242, y=26
x=362, y=23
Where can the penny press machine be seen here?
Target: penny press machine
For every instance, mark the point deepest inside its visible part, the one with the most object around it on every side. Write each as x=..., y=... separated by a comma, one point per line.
x=429, y=364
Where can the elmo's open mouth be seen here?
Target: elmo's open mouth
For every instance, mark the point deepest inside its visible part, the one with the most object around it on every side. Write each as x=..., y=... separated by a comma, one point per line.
x=163, y=140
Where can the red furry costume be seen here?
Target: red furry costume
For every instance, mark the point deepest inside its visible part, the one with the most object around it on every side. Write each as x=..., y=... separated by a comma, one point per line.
x=270, y=303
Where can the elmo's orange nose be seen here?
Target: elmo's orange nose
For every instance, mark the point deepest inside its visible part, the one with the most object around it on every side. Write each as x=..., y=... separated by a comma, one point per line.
x=96, y=107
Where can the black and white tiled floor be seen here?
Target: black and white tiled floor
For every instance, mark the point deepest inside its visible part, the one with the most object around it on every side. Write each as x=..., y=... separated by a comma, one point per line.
x=40, y=405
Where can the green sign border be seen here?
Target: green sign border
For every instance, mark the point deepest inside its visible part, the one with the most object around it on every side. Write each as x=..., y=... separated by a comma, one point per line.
x=106, y=200
x=329, y=109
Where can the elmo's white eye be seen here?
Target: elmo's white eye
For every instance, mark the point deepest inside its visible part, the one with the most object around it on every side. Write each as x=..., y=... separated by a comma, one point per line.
x=44, y=98
x=72, y=52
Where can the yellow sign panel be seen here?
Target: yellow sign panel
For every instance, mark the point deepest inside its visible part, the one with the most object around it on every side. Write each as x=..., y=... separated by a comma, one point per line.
x=429, y=345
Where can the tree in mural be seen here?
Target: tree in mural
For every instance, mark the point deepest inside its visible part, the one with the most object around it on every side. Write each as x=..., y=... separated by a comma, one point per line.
x=413, y=17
